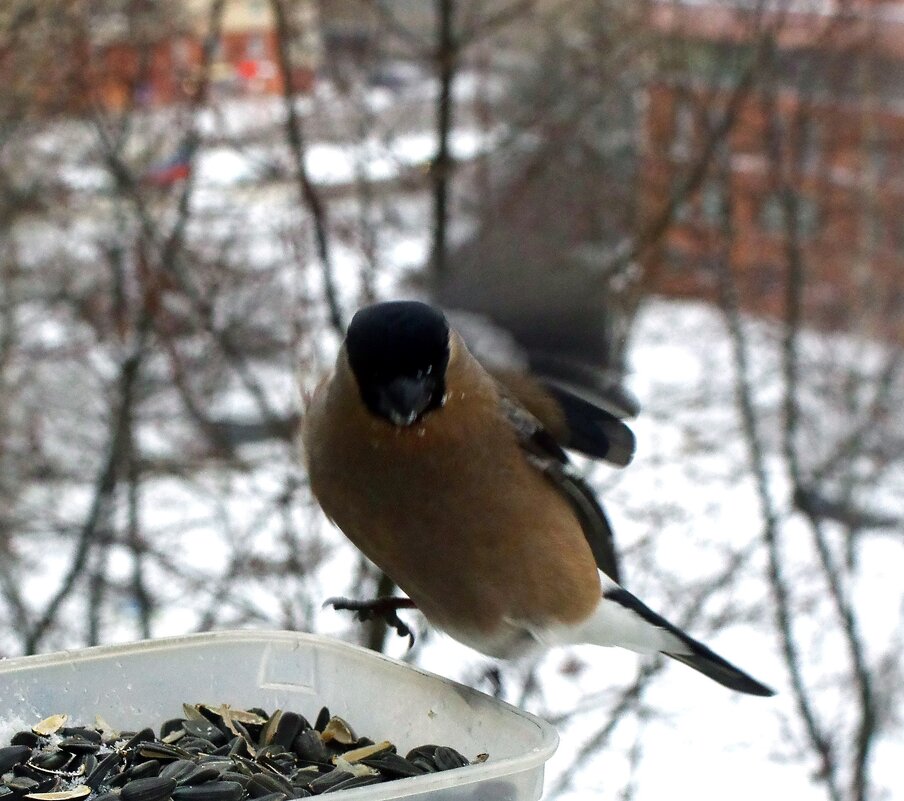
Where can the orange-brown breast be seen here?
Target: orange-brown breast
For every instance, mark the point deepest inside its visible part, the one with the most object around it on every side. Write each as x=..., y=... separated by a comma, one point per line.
x=449, y=507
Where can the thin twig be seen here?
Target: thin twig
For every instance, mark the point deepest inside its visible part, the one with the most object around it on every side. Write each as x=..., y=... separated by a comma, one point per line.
x=308, y=195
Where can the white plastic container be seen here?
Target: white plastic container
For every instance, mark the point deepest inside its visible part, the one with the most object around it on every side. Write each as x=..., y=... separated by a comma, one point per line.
x=147, y=682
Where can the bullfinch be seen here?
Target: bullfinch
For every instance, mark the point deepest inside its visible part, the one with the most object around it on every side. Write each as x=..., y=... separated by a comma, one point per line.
x=455, y=483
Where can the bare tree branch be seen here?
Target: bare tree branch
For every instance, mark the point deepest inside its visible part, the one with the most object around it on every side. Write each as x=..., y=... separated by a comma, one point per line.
x=307, y=193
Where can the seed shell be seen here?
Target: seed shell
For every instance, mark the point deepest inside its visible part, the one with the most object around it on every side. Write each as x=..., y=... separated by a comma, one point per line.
x=357, y=754
x=79, y=791
x=50, y=724
x=339, y=731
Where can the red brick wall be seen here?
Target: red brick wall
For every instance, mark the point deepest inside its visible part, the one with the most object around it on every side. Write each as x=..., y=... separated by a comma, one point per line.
x=853, y=256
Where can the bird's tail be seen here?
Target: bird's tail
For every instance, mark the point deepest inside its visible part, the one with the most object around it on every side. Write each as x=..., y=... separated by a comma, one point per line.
x=621, y=619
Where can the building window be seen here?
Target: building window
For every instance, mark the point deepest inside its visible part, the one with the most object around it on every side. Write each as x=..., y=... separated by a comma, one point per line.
x=812, y=144
x=896, y=224
x=676, y=259
x=766, y=279
x=772, y=215
x=256, y=47
x=683, y=211
x=808, y=216
x=683, y=129
x=712, y=202
x=879, y=162
x=182, y=52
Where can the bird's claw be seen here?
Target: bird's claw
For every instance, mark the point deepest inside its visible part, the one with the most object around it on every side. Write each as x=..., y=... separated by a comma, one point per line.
x=385, y=608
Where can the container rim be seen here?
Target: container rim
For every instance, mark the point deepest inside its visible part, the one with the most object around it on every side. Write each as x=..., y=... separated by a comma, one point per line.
x=398, y=788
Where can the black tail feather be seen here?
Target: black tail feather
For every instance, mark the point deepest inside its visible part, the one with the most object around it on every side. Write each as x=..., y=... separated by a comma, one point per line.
x=718, y=669
x=700, y=658
x=592, y=430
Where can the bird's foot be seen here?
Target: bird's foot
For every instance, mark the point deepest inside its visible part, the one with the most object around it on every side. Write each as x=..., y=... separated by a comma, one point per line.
x=386, y=607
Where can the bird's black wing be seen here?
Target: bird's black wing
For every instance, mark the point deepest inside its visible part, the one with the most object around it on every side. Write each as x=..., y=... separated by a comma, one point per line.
x=547, y=456
x=592, y=430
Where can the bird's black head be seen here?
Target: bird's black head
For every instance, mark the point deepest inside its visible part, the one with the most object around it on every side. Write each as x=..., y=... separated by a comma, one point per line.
x=398, y=352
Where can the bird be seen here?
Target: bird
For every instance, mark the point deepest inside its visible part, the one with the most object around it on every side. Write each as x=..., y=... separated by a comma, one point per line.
x=453, y=483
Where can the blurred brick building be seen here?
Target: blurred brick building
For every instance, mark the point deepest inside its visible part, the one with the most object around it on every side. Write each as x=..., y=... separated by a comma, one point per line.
x=812, y=167
x=135, y=53
x=244, y=60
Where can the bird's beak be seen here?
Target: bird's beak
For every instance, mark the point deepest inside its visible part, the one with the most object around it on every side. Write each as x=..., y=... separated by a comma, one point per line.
x=404, y=399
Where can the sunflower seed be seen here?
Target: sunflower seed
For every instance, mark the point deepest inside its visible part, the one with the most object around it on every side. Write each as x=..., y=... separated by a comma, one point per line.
x=217, y=763
x=427, y=765
x=143, y=770
x=427, y=751
x=81, y=731
x=162, y=751
x=23, y=784
x=265, y=783
x=28, y=738
x=240, y=746
x=211, y=791
x=135, y=739
x=233, y=776
x=13, y=755
x=354, y=781
x=204, y=730
x=201, y=774
x=151, y=789
x=178, y=770
x=103, y=769
x=323, y=717
x=170, y=726
x=308, y=745
x=192, y=712
x=50, y=761
x=223, y=754
x=77, y=744
x=287, y=729
x=88, y=764
x=322, y=783
x=446, y=758
x=393, y=766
